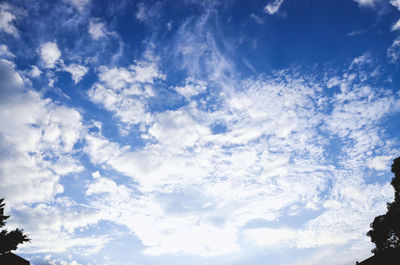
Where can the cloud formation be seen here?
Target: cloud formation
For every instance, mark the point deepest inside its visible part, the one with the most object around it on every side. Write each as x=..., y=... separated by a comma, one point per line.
x=6, y=20
x=50, y=54
x=273, y=7
x=80, y=5
x=77, y=72
x=165, y=145
x=97, y=30
x=369, y=3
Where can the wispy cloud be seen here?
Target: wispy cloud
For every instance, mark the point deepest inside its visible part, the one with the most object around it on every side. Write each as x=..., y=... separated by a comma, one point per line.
x=257, y=19
x=7, y=20
x=273, y=7
x=394, y=51
x=78, y=4
x=5, y=52
x=368, y=3
x=396, y=26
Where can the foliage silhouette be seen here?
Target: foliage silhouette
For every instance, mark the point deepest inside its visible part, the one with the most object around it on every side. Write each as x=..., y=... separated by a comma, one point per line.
x=385, y=232
x=9, y=240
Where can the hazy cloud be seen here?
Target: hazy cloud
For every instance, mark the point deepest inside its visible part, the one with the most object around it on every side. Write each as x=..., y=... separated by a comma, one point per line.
x=78, y=4
x=97, y=30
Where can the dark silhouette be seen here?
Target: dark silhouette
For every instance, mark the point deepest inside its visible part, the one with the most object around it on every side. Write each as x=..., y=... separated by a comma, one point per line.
x=12, y=259
x=385, y=229
x=390, y=257
x=9, y=240
x=385, y=232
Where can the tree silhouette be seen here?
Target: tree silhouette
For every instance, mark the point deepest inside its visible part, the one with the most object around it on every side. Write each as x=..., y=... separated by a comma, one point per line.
x=9, y=240
x=385, y=232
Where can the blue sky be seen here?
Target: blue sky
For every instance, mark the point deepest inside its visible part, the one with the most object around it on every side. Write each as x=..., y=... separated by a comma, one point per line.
x=198, y=132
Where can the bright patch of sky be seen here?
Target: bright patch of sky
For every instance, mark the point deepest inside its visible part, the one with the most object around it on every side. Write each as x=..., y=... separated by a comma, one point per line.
x=198, y=132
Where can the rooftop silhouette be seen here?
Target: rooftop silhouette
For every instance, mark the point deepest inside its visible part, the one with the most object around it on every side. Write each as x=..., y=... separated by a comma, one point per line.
x=12, y=259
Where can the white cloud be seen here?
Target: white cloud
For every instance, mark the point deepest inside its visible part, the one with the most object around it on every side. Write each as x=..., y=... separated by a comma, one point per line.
x=271, y=237
x=149, y=13
x=166, y=167
x=59, y=222
x=260, y=153
x=105, y=185
x=344, y=220
x=5, y=52
x=119, y=78
x=35, y=71
x=127, y=105
x=369, y=3
x=257, y=19
x=394, y=51
x=141, y=13
x=78, y=4
x=97, y=30
x=169, y=233
x=191, y=88
x=50, y=54
x=396, y=26
x=395, y=3
x=43, y=135
x=126, y=90
x=198, y=53
x=146, y=72
x=380, y=162
x=273, y=7
x=210, y=184
x=6, y=20
x=361, y=60
x=12, y=81
x=209, y=240
x=48, y=260
x=176, y=128
x=77, y=71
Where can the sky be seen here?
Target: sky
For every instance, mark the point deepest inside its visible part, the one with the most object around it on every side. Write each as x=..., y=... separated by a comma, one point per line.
x=198, y=132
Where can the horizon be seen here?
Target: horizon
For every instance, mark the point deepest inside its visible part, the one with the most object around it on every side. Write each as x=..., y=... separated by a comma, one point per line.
x=198, y=132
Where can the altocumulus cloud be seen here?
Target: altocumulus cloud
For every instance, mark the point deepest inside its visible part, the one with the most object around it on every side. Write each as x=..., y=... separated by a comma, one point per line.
x=167, y=147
